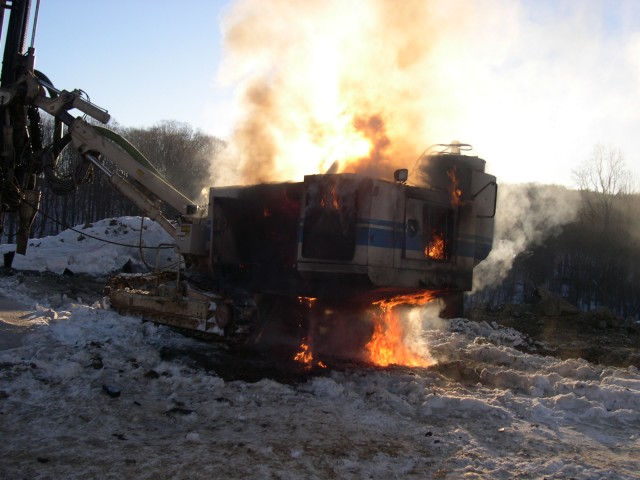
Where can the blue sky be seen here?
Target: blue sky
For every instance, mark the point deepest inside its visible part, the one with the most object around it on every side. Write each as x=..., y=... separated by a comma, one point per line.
x=143, y=60
x=544, y=81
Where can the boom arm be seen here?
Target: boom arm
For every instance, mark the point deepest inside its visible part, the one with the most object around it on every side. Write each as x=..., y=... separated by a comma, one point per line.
x=23, y=92
x=96, y=143
x=90, y=140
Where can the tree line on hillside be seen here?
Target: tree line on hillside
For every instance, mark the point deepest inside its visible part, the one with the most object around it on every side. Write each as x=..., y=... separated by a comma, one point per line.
x=183, y=156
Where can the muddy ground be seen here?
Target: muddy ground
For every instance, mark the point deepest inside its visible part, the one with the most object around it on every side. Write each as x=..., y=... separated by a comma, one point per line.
x=555, y=327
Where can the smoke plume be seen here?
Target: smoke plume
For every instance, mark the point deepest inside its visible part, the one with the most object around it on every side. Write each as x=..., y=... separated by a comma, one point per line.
x=525, y=216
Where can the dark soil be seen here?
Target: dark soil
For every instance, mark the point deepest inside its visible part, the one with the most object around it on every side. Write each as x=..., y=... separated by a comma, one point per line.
x=598, y=336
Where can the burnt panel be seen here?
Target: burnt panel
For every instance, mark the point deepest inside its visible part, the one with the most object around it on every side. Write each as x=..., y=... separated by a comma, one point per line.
x=262, y=223
x=329, y=226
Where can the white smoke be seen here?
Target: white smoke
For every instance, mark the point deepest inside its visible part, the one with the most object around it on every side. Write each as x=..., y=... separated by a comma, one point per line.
x=417, y=322
x=525, y=216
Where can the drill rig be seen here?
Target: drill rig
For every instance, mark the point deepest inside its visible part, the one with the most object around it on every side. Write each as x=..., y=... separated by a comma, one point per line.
x=339, y=239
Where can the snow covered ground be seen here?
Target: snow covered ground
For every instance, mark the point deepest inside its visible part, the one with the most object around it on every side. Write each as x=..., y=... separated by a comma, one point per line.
x=485, y=410
x=82, y=250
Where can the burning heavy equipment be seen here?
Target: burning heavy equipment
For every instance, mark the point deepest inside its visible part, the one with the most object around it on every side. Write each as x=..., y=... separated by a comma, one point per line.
x=334, y=242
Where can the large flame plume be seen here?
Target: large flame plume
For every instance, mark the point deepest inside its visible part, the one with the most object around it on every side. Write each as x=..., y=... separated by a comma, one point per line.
x=320, y=82
x=388, y=343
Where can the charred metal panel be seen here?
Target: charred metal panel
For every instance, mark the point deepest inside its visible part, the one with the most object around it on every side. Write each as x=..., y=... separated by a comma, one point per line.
x=256, y=224
x=254, y=233
x=335, y=224
x=330, y=218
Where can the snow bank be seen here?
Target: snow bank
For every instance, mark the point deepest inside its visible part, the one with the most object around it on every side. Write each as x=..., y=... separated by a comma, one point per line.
x=98, y=248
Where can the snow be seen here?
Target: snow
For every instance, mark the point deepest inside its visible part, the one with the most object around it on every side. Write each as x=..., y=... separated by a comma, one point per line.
x=76, y=250
x=484, y=410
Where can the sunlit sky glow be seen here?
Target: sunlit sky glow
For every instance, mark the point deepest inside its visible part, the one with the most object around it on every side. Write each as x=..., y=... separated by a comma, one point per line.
x=532, y=85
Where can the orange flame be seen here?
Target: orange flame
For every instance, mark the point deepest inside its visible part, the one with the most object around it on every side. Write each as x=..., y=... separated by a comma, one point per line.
x=334, y=195
x=454, y=189
x=387, y=346
x=304, y=355
x=308, y=301
x=436, y=248
x=330, y=199
x=314, y=87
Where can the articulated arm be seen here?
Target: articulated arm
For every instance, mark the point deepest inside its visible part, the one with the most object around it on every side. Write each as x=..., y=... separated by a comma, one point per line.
x=87, y=139
x=25, y=156
x=97, y=143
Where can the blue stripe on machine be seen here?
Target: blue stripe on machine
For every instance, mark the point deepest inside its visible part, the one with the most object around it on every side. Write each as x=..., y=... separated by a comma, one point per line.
x=382, y=234
x=375, y=237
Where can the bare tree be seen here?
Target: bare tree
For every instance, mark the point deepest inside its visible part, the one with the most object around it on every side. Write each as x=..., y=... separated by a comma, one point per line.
x=602, y=179
x=182, y=154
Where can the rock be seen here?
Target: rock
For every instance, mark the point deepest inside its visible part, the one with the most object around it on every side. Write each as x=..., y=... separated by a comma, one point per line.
x=96, y=363
x=127, y=267
x=113, y=392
